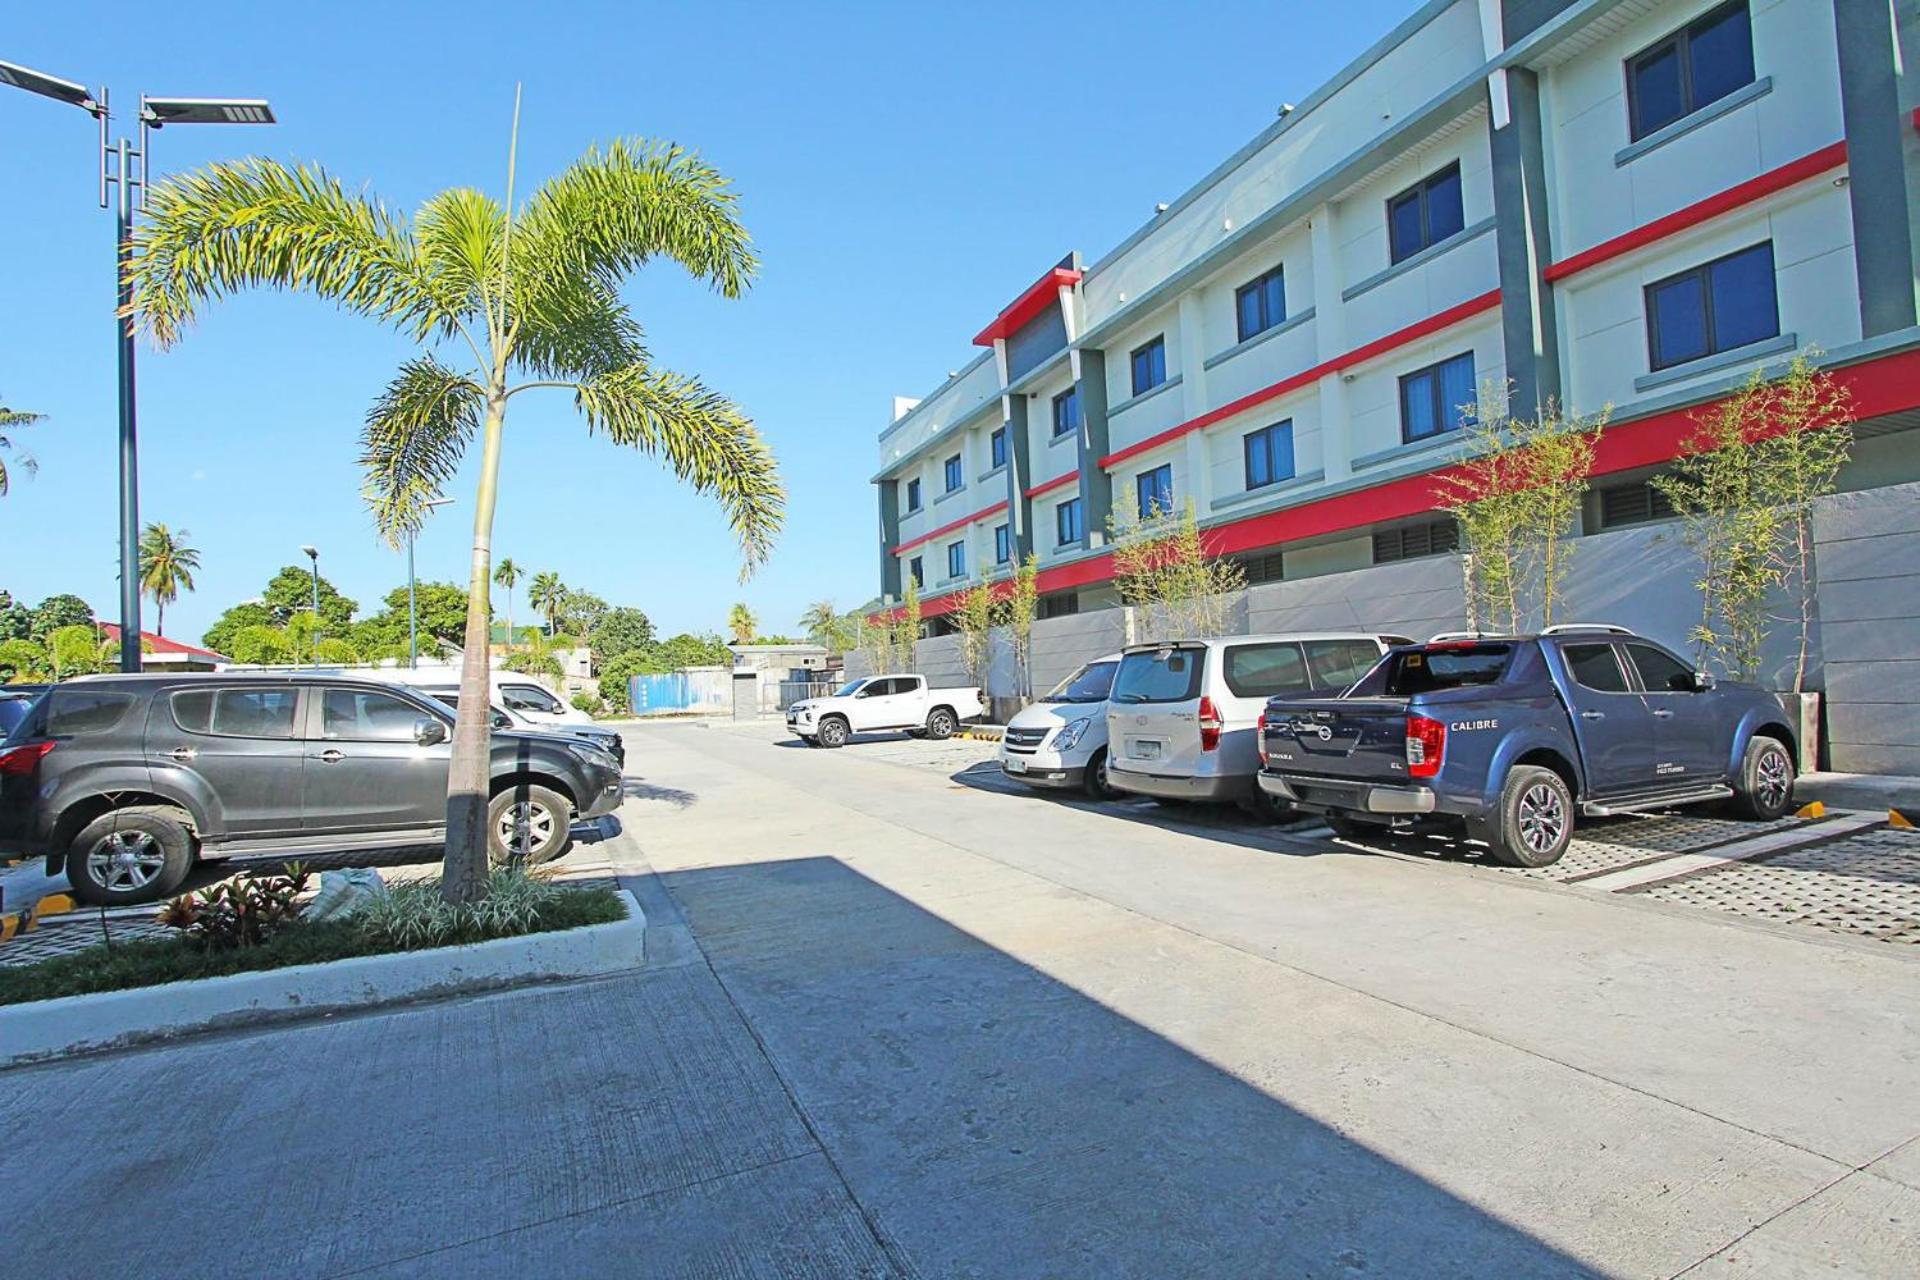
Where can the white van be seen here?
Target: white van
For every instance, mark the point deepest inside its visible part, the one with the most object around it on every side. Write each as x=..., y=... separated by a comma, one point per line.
x=1181, y=718
x=520, y=694
x=1061, y=740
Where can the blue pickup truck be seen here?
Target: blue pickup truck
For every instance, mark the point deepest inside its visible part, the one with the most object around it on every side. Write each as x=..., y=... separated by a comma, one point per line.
x=1515, y=734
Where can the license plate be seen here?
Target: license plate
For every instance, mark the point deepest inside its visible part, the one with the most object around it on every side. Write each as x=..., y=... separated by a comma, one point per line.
x=1146, y=750
x=1015, y=765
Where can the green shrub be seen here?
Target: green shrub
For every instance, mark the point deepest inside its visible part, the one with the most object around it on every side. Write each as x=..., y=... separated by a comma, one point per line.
x=242, y=912
x=589, y=703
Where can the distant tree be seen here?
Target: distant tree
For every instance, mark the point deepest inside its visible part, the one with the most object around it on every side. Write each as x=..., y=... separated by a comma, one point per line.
x=547, y=594
x=507, y=574
x=290, y=591
x=78, y=650
x=220, y=636
x=22, y=660
x=440, y=610
x=580, y=612
x=259, y=642
x=828, y=627
x=616, y=676
x=10, y=419
x=705, y=649
x=55, y=612
x=741, y=624
x=16, y=620
x=620, y=631
x=167, y=565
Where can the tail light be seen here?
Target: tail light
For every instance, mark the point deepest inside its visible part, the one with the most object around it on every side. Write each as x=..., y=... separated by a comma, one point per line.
x=1210, y=725
x=1426, y=743
x=1260, y=737
x=20, y=761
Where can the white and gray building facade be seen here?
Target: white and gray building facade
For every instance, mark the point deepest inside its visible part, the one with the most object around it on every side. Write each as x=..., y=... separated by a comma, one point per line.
x=1618, y=204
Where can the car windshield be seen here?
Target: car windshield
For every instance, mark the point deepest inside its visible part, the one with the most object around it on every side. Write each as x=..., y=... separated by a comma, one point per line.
x=848, y=689
x=1449, y=666
x=1160, y=675
x=1090, y=683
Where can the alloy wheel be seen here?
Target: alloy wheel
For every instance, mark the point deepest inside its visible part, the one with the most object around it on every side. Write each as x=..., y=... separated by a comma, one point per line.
x=1543, y=818
x=1773, y=775
x=125, y=861
x=524, y=827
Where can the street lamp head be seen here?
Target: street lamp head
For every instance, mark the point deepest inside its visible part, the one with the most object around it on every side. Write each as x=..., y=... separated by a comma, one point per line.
x=46, y=86
x=312, y=553
x=165, y=111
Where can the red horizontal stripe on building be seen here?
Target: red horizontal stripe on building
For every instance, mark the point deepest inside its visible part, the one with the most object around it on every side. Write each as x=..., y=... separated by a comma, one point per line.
x=1306, y=377
x=961, y=523
x=1890, y=384
x=1791, y=174
x=1028, y=305
x=1048, y=486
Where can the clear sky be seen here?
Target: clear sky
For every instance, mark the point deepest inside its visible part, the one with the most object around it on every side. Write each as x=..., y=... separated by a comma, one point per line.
x=905, y=170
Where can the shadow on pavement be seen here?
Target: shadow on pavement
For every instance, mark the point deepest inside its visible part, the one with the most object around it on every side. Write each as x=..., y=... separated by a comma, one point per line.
x=635, y=788
x=1000, y=1123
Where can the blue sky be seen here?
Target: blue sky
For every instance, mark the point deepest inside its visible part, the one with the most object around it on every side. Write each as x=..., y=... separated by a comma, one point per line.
x=906, y=170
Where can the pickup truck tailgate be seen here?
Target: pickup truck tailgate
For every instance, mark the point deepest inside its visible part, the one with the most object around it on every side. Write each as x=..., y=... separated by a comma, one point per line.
x=1340, y=738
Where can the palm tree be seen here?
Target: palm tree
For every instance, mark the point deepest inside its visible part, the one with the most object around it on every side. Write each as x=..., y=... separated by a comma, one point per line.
x=742, y=623
x=166, y=568
x=517, y=298
x=547, y=594
x=507, y=574
x=823, y=624
x=15, y=418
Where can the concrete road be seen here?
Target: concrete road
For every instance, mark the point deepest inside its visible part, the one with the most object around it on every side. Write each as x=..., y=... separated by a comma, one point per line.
x=900, y=1023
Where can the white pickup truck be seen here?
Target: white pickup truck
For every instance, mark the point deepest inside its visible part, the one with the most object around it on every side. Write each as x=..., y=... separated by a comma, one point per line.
x=874, y=703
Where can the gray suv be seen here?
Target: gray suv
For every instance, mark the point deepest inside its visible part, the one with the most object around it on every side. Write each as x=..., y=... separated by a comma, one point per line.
x=128, y=780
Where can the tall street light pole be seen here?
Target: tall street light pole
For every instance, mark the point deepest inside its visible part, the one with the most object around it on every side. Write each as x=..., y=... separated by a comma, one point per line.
x=313, y=554
x=413, y=618
x=124, y=167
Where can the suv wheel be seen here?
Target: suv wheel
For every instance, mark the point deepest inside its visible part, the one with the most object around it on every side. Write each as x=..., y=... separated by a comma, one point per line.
x=528, y=824
x=1534, y=824
x=941, y=724
x=1764, y=789
x=1099, y=786
x=832, y=732
x=129, y=856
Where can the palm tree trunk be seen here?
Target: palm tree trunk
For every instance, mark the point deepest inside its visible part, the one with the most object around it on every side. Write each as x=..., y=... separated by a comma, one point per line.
x=159, y=616
x=463, y=876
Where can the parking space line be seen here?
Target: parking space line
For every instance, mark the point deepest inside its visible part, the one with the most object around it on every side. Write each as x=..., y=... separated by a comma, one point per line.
x=1832, y=828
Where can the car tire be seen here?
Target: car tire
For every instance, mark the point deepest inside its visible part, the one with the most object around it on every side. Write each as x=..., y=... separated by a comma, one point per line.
x=528, y=824
x=941, y=724
x=131, y=855
x=1534, y=823
x=1763, y=791
x=832, y=732
x=1097, y=785
x=1269, y=808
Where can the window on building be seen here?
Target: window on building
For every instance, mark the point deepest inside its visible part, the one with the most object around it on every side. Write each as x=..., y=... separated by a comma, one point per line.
x=1720, y=306
x=1149, y=365
x=1269, y=454
x=1694, y=67
x=1425, y=213
x=1265, y=567
x=1066, y=412
x=1437, y=398
x=953, y=474
x=1633, y=504
x=918, y=571
x=1153, y=491
x=956, y=559
x=1002, y=543
x=1058, y=605
x=1411, y=541
x=1260, y=304
x=997, y=447
x=1068, y=523
x=913, y=495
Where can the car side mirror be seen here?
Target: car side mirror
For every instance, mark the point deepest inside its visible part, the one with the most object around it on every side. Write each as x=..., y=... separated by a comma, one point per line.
x=428, y=732
x=1703, y=682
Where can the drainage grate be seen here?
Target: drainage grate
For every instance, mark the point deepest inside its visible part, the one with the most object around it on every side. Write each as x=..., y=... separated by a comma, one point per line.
x=1864, y=886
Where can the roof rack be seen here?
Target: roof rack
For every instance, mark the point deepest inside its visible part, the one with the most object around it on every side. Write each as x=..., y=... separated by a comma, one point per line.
x=1608, y=627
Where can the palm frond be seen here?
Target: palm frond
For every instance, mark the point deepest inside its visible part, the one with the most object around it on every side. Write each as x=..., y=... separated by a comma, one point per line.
x=576, y=329
x=611, y=211
x=413, y=440
x=459, y=235
x=256, y=222
x=705, y=439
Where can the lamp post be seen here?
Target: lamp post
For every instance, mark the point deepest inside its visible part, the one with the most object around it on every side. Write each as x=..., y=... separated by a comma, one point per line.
x=413, y=622
x=118, y=161
x=313, y=554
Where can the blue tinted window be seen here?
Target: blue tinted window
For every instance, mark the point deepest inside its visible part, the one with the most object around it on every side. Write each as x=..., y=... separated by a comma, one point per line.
x=997, y=447
x=1437, y=398
x=1150, y=366
x=1697, y=65
x=913, y=495
x=956, y=559
x=1269, y=455
x=1002, y=543
x=1066, y=412
x=1261, y=304
x=1154, y=491
x=1425, y=214
x=1721, y=306
x=918, y=571
x=1066, y=521
x=954, y=478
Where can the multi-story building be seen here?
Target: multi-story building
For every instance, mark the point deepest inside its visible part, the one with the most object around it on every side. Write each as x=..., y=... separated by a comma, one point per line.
x=1608, y=203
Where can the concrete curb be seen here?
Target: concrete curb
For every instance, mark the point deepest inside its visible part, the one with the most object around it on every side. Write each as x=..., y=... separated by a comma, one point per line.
x=49, y=1029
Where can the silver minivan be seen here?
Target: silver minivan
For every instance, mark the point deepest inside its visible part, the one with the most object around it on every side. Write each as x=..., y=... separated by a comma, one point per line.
x=1181, y=721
